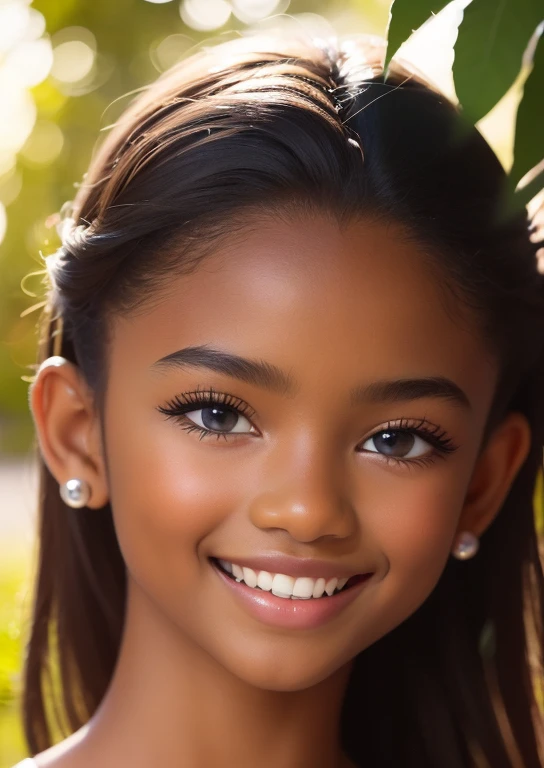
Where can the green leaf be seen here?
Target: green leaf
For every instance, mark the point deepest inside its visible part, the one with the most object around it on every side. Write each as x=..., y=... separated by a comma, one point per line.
x=529, y=136
x=489, y=50
x=405, y=16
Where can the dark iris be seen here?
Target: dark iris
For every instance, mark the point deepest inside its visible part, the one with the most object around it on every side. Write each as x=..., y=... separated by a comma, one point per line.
x=395, y=442
x=219, y=419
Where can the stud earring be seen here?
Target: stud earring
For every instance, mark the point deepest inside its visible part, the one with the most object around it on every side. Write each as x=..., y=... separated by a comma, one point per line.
x=467, y=545
x=75, y=493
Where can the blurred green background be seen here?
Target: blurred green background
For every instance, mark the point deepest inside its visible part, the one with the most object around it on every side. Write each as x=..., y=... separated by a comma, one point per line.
x=67, y=70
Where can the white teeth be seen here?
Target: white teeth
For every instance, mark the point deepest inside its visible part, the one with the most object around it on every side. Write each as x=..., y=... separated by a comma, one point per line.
x=302, y=588
x=319, y=588
x=237, y=572
x=264, y=580
x=250, y=577
x=282, y=586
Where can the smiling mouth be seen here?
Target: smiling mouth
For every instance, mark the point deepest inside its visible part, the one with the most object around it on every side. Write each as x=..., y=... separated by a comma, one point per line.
x=288, y=587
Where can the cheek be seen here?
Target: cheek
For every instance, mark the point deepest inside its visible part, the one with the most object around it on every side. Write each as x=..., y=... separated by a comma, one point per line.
x=414, y=524
x=166, y=495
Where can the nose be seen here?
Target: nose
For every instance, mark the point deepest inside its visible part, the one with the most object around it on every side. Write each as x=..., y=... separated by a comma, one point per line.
x=307, y=500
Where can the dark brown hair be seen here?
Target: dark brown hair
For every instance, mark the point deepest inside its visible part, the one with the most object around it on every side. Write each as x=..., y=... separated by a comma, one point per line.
x=257, y=127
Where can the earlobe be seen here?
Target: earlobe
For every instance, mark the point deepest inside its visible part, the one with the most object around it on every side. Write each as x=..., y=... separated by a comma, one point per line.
x=494, y=473
x=68, y=427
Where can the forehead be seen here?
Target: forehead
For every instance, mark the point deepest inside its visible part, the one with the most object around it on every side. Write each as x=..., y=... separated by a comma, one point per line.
x=325, y=301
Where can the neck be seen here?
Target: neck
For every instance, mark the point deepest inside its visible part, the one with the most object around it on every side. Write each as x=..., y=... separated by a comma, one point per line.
x=171, y=704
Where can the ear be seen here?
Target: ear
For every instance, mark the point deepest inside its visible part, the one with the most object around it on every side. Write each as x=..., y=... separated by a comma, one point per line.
x=494, y=473
x=68, y=427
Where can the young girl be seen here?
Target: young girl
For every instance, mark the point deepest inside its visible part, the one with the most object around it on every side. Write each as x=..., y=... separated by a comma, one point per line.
x=290, y=409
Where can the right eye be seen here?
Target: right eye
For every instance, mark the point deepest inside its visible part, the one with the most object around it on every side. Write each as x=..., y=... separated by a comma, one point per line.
x=210, y=413
x=219, y=418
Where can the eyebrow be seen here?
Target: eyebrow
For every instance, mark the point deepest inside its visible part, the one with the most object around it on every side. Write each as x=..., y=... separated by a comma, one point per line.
x=268, y=376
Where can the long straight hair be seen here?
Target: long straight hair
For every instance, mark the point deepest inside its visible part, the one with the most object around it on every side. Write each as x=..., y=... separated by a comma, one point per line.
x=262, y=125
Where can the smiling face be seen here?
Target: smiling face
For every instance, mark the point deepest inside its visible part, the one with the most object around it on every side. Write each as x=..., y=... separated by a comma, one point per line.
x=314, y=460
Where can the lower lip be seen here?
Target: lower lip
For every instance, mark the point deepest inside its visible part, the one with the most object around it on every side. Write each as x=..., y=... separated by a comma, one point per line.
x=288, y=613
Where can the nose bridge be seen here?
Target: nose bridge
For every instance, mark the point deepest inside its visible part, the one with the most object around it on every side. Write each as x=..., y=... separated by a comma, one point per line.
x=305, y=492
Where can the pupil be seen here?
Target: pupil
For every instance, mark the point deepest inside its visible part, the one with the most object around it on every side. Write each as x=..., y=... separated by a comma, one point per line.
x=395, y=442
x=219, y=419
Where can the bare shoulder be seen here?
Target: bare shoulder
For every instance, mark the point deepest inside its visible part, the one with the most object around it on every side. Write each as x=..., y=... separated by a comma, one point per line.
x=47, y=759
x=44, y=760
x=64, y=754
x=50, y=758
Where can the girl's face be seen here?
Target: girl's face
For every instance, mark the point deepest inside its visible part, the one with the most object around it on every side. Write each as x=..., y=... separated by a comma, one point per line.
x=349, y=407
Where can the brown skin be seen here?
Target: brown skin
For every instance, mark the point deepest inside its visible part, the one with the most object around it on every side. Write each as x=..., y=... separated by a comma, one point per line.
x=199, y=681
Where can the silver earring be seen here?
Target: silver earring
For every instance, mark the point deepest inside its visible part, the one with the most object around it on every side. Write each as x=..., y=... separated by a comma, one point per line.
x=467, y=545
x=75, y=493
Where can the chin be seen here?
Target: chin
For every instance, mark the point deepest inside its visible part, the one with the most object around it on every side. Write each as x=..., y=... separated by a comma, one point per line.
x=287, y=671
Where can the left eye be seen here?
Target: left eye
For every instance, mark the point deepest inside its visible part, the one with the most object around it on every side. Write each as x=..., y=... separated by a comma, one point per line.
x=397, y=443
x=219, y=419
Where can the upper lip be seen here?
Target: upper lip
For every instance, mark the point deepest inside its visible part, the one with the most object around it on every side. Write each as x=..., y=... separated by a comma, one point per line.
x=294, y=566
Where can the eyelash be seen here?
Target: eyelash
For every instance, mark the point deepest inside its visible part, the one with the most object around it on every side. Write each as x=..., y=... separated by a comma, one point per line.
x=205, y=398
x=431, y=433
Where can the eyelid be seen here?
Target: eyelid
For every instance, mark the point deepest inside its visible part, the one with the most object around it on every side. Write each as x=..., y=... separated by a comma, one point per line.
x=188, y=402
x=436, y=437
x=200, y=398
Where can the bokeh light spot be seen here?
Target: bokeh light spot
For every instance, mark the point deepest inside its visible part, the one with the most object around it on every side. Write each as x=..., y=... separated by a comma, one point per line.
x=72, y=61
x=249, y=11
x=169, y=51
x=205, y=15
x=18, y=114
x=44, y=144
x=30, y=62
x=14, y=18
x=35, y=25
x=11, y=184
x=3, y=222
x=8, y=161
